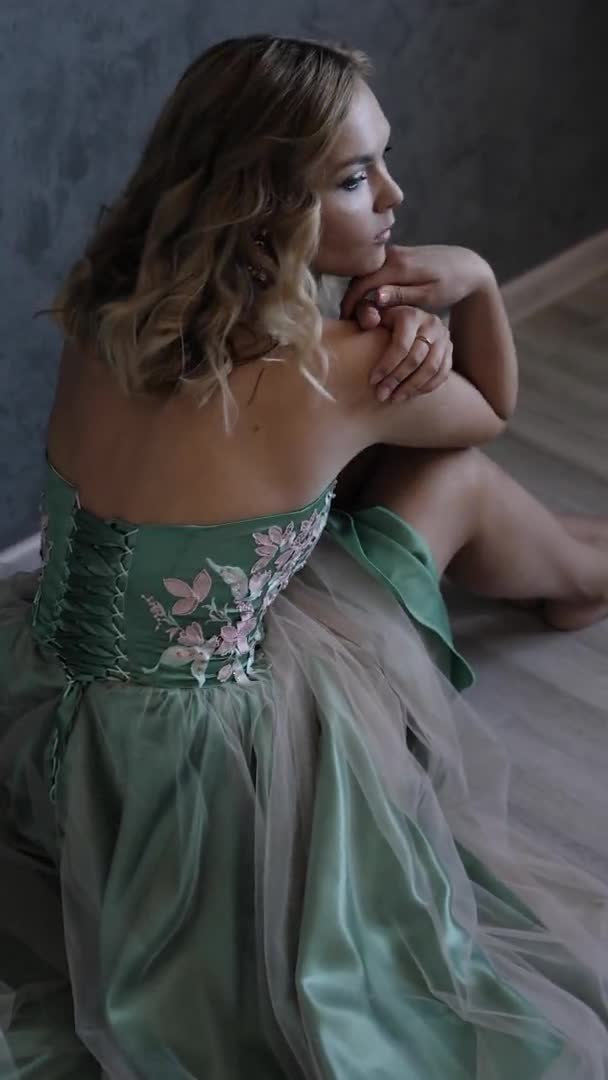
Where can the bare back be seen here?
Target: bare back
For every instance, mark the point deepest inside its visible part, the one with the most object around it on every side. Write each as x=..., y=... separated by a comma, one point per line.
x=164, y=459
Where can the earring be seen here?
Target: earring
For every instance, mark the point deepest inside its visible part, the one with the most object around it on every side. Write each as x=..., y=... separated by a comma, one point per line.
x=260, y=240
x=258, y=274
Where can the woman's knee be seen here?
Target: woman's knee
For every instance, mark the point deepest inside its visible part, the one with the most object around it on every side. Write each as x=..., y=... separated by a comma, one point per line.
x=426, y=474
x=437, y=492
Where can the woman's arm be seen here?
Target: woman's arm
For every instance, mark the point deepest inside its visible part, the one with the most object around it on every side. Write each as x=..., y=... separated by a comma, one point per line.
x=484, y=350
x=456, y=415
x=439, y=277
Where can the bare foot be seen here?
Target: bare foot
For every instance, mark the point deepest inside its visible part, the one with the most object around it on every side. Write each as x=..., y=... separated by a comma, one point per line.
x=576, y=614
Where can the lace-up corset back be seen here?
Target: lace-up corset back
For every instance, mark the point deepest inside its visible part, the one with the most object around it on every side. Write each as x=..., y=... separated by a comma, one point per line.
x=165, y=605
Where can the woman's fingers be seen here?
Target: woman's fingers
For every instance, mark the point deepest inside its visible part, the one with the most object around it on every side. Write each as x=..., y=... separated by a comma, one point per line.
x=384, y=297
x=419, y=366
x=436, y=380
x=367, y=315
x=404, y=323
x=358, y=289
x=398, y=363
x=415, y=354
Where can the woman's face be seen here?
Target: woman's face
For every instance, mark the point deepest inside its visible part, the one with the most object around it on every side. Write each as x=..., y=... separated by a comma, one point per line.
x=358, y=194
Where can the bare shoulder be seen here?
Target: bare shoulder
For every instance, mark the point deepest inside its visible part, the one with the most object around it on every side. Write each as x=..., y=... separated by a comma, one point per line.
x=354, y=353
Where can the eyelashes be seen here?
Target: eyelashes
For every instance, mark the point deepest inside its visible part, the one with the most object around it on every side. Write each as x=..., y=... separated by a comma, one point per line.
x=353, y=182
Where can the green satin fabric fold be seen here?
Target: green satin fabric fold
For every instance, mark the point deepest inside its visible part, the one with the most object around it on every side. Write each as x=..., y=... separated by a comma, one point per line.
x=398, y=556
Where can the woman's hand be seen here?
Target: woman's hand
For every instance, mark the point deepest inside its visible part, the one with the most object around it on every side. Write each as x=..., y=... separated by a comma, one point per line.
x=410, y=365
x=434, y=276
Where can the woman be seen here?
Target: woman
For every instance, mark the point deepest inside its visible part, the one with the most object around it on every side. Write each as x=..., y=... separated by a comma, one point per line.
x=251, y=828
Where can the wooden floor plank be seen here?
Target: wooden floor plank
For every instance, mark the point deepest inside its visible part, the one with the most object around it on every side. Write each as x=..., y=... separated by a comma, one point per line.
x=536, y=687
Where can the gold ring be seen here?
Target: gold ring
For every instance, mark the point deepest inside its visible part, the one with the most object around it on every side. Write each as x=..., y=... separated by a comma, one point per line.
x=423, y=338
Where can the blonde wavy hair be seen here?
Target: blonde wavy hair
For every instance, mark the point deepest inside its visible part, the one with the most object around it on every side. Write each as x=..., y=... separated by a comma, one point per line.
x=204, y=261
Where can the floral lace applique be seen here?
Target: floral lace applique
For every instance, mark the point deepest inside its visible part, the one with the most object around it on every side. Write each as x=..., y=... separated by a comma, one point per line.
x=281, y=554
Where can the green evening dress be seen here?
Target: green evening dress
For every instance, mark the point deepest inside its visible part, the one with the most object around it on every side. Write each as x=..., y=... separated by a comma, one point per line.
x=251, y=829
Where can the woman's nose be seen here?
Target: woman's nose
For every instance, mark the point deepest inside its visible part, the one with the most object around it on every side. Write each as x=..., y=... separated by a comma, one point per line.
x=391, y=195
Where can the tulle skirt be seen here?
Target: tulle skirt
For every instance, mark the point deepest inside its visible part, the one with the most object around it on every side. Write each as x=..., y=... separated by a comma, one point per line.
x=321, y=874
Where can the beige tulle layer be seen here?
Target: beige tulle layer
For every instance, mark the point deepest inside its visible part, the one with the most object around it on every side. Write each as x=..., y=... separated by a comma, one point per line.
x=303, y=774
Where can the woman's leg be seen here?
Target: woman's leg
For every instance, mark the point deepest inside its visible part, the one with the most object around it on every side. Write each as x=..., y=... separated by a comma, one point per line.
x=590, y=528
x=489, y=534
x=357, y=474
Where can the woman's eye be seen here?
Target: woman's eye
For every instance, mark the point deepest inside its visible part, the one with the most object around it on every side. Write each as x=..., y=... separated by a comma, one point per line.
x=353, y=182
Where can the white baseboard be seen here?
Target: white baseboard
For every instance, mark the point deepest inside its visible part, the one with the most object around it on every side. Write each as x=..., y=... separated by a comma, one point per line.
x=530, y=292
x=556, y=278
x=22, y=556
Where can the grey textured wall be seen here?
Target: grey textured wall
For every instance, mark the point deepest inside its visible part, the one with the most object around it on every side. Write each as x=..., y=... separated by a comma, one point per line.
x=498, y=109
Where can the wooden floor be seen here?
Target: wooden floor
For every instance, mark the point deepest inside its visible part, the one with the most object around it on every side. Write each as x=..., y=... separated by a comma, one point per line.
x=547, y=692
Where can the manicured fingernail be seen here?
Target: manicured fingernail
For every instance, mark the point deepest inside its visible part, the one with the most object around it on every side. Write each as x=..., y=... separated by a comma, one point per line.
x=382, y=296
x=376, y=378
x=401, y=397
x=384, y=393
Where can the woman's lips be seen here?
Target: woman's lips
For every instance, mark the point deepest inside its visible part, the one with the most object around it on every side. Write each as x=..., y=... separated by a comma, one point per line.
x=383, y=237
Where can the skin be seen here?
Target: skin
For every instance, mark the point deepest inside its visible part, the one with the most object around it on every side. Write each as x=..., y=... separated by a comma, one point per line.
x=358, y=201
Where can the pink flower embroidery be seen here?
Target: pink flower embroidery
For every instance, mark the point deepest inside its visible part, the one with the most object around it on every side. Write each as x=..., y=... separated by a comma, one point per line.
x=245, y=608
x=197, y=654
x=252, y=594
x=268, y=544
x=225, y=673
x=233, y=639
x=234, y=577
x=192, y=635
x=257, y=583
x=178, y=655
x=267, y=552
x=233, y=671
x=191, y=595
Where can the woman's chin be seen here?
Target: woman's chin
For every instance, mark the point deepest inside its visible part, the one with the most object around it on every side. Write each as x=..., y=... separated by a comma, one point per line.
x=374, y=259
x=369, y=264
x=360, y=265
x=380, y=253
